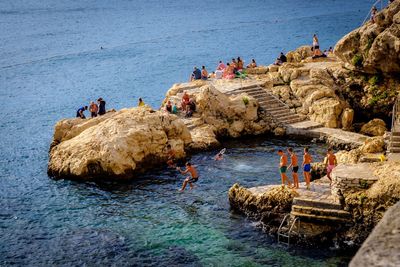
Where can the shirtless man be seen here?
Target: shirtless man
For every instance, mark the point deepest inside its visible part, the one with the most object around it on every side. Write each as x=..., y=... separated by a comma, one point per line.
x=330, y=163
x=185, y=100
x=283, y=167
x=307, y=159
x=193, y=178
x=171, y=157
x=295, y=167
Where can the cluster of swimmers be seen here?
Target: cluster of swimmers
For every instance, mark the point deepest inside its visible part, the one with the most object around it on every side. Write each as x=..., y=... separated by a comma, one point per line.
x=230, y=70
x=330, y=162
x=95, y=109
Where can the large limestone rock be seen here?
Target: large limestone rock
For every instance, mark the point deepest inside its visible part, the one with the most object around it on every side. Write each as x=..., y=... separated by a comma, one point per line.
x=117, y=145
x=373, y=145
x=299, y=54
x=347, y=118
x=375, y=127
x=374, y=47
x=219, y=115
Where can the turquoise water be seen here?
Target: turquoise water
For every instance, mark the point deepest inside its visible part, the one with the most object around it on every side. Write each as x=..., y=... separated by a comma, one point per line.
x=51, y=63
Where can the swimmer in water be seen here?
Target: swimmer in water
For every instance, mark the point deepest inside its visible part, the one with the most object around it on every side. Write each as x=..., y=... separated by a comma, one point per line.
x=220, y=155
x=193, y=178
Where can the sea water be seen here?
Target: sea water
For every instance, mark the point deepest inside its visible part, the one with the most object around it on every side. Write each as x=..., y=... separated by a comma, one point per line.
x=56, y=56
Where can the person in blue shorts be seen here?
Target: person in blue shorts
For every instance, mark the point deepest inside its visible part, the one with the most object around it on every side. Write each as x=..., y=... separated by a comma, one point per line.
x=307, y=159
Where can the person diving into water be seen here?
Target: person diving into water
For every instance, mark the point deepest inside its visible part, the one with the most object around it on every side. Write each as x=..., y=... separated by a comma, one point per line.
x=193, y=178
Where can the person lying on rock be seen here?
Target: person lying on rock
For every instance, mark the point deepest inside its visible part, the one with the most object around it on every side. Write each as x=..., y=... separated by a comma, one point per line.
x=331, y=163
x=307, y=159
x=283, y=167
x=171, y=157
x=193, y=178
x=79, y=112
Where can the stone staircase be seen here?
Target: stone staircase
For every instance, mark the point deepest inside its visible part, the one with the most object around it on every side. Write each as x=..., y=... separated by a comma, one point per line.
x=278, y=110
x=394, y=143
x=318, y=204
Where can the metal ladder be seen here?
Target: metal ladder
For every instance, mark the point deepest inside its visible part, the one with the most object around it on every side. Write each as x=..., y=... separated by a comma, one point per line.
x=285, y=232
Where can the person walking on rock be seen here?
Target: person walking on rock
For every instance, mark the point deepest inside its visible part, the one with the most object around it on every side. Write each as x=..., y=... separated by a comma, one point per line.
x=79, y=112
x=283, y=167
x=102, y=106
x=295, y=167
x=307, y=159
x=331, y=163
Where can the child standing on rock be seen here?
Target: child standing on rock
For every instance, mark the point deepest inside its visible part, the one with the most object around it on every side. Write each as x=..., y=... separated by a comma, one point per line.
x=295, y=167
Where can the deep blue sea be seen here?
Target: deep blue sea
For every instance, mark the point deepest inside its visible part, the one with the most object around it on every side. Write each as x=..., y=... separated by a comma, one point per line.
x=51, y=63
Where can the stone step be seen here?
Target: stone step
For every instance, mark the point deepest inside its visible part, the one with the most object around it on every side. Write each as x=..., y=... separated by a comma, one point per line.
x=258, y=94
x=395, y=144
x=272, y=102
x=395, y=138
x=394, y=150
x=396, y=134
x=287, y=115
x=280, y=111
x=276, y=109
x=292, y=121
x=315, y=204
x=322, y=212
x=319, y=217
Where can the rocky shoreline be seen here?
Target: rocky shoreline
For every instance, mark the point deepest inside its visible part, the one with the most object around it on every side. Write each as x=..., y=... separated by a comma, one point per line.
x=344, y=100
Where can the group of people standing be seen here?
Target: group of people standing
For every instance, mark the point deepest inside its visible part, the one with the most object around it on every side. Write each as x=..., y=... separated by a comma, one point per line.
x=95, y=109
x=330, y=162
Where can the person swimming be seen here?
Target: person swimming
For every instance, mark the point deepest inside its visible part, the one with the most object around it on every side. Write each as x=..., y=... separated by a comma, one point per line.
x=220, y=155
x=307, y=159
x=193, y=178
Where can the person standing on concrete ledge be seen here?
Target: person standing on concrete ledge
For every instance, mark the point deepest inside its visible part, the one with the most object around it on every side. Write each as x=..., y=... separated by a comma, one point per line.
x=331, y=163
x=307, y=159
x=295, y=167
x=283, y=167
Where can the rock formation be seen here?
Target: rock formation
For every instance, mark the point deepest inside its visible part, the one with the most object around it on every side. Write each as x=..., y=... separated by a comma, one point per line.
x=375, y=127
x=118, y=145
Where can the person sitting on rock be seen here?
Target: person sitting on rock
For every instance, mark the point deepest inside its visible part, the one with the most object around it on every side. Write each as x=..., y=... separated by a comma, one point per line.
x=307, y=159
x=315, y=43
x=141, y=103
x=102, y=106
x=93, y=108
x=283, y=167
x=331, y=163
x=204, y=73
x=234, y=64
x=239, y=64
x=171, y=156
x=330, y=49
x=228, y=72
x=193, y=178
x=174, y=109
x=168, y=106
x=79, y=112
x=212, y=75
x=196, y=74
x=281, y=59
x=252, y=65
x=190, y=108
x=221, y=65
x=185, y=101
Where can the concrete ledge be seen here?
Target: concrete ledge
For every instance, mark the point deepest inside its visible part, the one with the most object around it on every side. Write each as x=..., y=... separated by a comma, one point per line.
x=382, y=247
